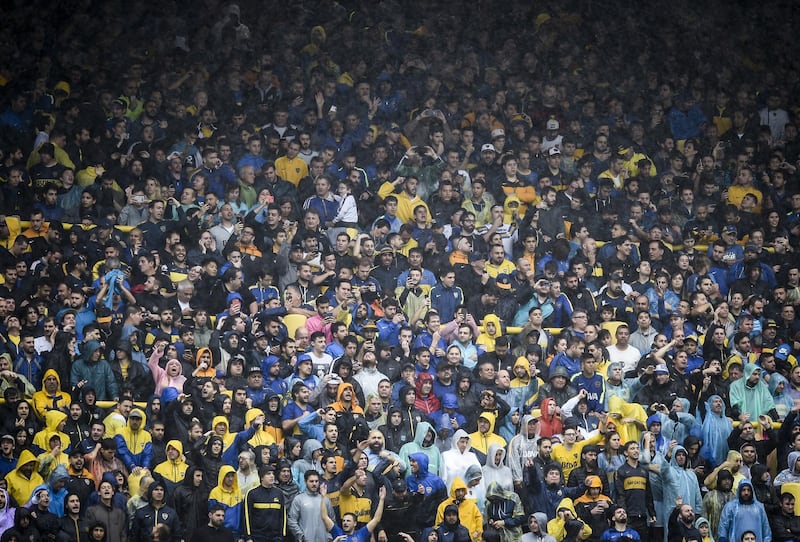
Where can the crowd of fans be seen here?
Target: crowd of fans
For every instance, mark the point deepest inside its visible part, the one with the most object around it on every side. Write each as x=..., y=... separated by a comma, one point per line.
x=401, y=271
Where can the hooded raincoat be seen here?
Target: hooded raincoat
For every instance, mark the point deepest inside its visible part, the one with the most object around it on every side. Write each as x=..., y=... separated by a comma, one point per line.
x=418, y=446
x=715, y=432
x=468, y=512
x=678, y=482
x=455, y=462
x=482, y=441
x=505, y=505
x=497, y=471
x=756, y=399
x=741, y=515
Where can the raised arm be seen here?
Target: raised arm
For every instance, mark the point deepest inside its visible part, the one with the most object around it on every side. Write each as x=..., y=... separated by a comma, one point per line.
x=323, y=512
x=378, y=512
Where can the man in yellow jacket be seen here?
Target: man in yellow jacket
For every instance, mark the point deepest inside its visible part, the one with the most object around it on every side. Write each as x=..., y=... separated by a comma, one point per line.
x=485, y=436
x=407, y=199
x=22, y=480
x=468, y=512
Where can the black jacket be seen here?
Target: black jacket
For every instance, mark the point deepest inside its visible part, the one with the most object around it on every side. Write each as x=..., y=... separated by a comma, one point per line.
x=264, y=514
x=148, y=517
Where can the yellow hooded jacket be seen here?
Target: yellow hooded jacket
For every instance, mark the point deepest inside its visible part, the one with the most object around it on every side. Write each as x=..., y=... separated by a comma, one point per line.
x=481, y=442
x=134, y=441
x=223, y=496
x=44, y=402
x=227, y=437
x=52, y=420
x=487, y=339
x=20, y=486
x=468, y=513
x=173, y=470
x=262, y=437
x=556, y=527
x=48, y=462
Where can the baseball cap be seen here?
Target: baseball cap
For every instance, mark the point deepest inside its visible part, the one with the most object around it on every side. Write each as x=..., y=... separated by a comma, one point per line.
x=552, y=124
x=369, y=324
x=488, y=147
x=771, y=323
x=782, y=352
x=503, y=281
x=554, y=151
x=729, y=229
x=498, y=133
x=476, y=256
x=662, y=369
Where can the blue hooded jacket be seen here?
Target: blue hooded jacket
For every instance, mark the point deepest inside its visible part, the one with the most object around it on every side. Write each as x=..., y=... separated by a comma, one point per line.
x=434, y=489
x=740, y=516
x=57, y=498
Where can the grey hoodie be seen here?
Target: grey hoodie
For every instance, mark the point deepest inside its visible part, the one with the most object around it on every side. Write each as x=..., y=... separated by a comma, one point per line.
x=542, y=536
x=521, y=448
x=790, y=474
x=308, y=462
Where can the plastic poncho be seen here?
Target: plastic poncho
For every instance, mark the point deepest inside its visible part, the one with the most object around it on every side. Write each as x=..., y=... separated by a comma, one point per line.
x=715, y=431
x=756, y=400
x=619, y=409
x=502, y=504
x=677, y=482
x=417, y=446
x=791, y=474
x=455, y=463
x=522, y=448
x=700, y=521
x=6, y=513
x=783, y=401
x=740, y=516
x=494, y=472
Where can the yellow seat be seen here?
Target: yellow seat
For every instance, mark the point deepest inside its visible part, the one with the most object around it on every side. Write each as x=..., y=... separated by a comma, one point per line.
x=292, y=322
x=794, y=489
x=612, y=328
